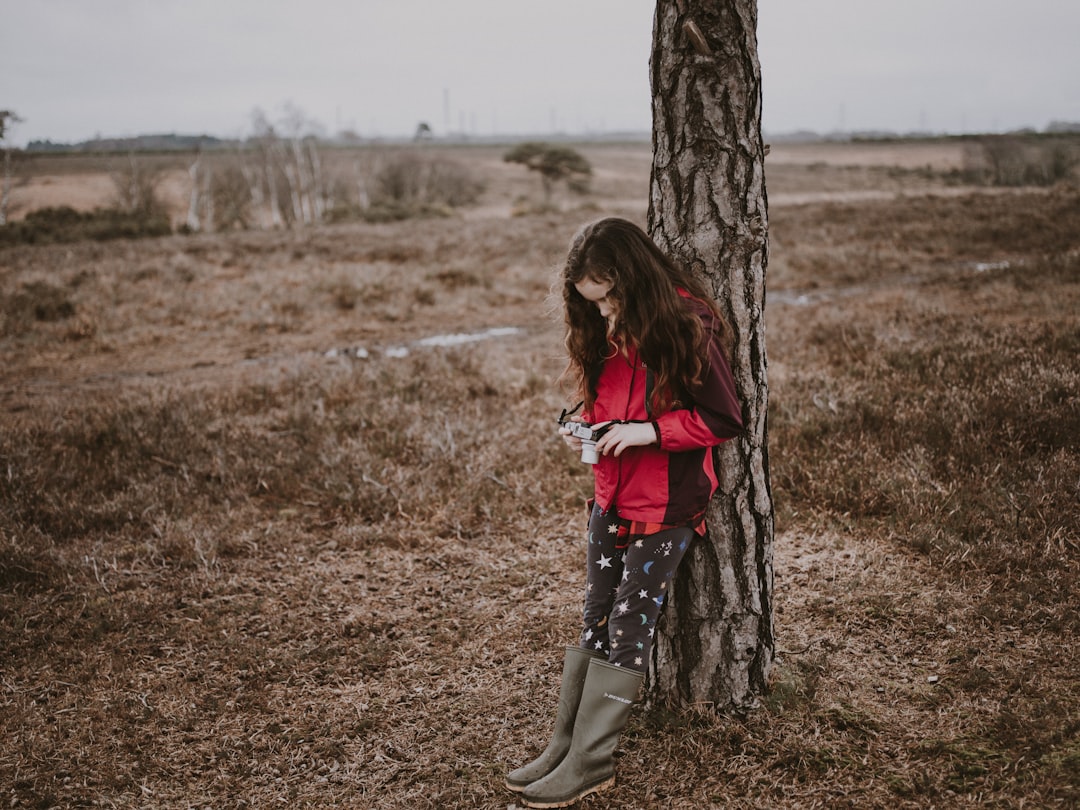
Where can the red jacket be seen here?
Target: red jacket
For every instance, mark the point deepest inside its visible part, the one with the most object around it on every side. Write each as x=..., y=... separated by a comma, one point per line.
x=671, y=483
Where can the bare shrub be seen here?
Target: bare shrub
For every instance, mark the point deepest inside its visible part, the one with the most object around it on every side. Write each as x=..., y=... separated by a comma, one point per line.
x=231, y=197
x=65, y=224
x=221, y=197
x=38, y=301
x=404, y=184
x=1022, y=161
x=136, y=182
x=413, y=184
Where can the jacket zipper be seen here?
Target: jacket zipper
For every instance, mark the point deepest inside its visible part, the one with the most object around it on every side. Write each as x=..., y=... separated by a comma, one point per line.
x=626, y=418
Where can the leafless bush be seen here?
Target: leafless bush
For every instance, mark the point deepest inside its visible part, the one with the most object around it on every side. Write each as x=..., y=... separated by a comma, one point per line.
x=221, y=195
x=38, y=301
x=231, y=198
x=136, y=182
x=402, y=184
x=1021, y=161
x=415, y=182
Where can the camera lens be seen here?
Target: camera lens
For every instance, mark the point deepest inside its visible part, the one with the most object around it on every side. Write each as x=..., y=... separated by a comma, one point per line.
x=588, y=452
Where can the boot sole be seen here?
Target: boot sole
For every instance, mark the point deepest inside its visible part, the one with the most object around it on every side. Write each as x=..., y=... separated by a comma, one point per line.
x=597, y=788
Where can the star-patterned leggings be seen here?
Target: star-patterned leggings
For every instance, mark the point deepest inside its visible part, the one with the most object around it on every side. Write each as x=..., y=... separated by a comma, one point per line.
x=625, y=587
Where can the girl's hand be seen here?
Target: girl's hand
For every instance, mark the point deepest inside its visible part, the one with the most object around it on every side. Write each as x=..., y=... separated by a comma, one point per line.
x=573, y=442
x=626, y=434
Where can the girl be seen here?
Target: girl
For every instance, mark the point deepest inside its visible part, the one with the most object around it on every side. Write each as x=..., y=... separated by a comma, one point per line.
x=648, y=357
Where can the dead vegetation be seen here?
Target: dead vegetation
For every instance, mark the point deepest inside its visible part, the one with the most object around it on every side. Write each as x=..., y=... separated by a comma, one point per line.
x=240, y=569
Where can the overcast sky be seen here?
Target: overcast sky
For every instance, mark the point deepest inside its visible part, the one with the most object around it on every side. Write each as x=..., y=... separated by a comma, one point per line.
x=75, y=69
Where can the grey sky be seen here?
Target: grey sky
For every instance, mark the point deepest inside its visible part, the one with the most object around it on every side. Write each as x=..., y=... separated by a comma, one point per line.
x=73, y=69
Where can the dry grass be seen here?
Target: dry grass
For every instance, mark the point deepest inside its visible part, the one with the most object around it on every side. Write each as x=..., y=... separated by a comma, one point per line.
x=237, y=569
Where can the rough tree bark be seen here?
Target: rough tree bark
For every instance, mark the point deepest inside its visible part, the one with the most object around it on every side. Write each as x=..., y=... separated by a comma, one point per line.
x=708, y=209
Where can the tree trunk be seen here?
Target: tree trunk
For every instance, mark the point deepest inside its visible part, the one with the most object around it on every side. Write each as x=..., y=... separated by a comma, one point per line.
x=318, y=183
x=708, y=209
x=255, y=190
x=277, y=218
x=5, y=187
x=209, y=214
x=193, y=199
x=301, y=180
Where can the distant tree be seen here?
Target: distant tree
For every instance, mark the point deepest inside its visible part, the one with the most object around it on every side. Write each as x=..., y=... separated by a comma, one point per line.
x=7, y=117
x=304, y=168
x=423, y=132
x=554, y=163
x=283, y=169
x=263, y=178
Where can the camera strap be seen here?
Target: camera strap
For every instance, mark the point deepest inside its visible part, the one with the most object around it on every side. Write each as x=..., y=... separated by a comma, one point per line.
x=567, y=413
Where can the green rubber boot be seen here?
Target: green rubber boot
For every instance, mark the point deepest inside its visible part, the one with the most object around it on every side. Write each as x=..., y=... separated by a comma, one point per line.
x=606, y=699
x=575, y=665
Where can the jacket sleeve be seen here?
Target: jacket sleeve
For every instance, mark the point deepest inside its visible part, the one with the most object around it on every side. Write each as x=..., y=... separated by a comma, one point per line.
x=714, y=415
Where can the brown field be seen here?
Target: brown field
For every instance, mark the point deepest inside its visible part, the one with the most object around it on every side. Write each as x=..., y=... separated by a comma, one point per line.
x=260, y=545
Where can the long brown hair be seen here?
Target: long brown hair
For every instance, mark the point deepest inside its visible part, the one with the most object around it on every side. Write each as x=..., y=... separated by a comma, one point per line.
x=651, y=314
